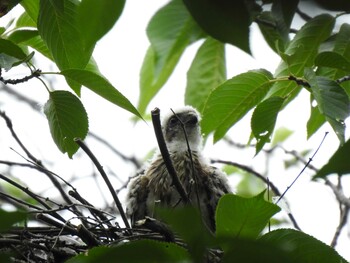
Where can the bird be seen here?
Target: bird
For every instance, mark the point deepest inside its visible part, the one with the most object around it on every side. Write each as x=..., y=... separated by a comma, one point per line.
x=203, y=183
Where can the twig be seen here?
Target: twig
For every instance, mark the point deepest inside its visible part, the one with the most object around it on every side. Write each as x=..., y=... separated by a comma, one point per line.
x=303, y=15
x=342, y=222
x=251, y=171
x=264, y=179
x=132, y=159
x=32, y=103
x=343, y=79
x=31, y=194
x=34, y=74
x=302, y=170
x=105, y=178
x=166, y=157
x=339, y=194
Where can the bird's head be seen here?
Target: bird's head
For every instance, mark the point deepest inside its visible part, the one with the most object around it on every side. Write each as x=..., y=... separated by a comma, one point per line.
x=173, y=126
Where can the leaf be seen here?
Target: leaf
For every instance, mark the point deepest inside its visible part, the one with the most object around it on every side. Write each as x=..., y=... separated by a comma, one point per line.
x=96, y=18
x=252, y=251
x=264, y=119
x=142, y=251
x=100, y=86
x=8, y=219
x=187, y=222
x=303, y=49
x=207, y=71
x=283, y=12
x=316, y=119
x=281, y=135
x=301, y=247
x=67, y=120
x=240, y=217
x=25, y=21
x=332, y=60
x=226, y=21
x=341, y=46
x=332, y=100
x=338, y=163
x=32, y=9
x=19, y=36
x=170, y=31
x=62, y=36
x=11, y=49
x=230, y=101
x=271, y=34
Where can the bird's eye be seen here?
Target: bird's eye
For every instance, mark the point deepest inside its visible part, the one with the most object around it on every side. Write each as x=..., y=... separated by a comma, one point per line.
x=173, y=120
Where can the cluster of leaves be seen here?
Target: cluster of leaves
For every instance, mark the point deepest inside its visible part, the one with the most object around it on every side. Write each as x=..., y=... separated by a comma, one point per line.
x=240, y=224
x=65, y=32
x=314, y=59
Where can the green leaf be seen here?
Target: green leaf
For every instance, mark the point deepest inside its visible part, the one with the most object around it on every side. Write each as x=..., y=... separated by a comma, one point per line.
x=207, y=71
x=341, y=46
x=11, y=49
x=281, y=135
x=187, y=222
x=301, y=247
x=8, y=219
x=240, y=217
x=316, y=119
x=19, y=36
x=62, y=36
x=252, y=251
x=332, y=100
x=96, y=18
x=283, y=12
x=227, y=21
x=303, y=50
x=39, y=45
x=170, y=31
x=32, y=9
x=67, y=120
x=271, y=34
x=229, y=102
x=100, y=86
x=25, y=21
x=264, y=119
x=140, y=251
x=338, y=163
x=332, y=60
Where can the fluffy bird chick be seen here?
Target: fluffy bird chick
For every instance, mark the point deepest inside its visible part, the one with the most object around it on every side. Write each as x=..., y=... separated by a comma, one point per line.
x=203, y=183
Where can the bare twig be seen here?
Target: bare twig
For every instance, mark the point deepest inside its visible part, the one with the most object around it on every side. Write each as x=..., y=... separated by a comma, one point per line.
x=105, y=178
x=166, y=157
x=132, y=159
x=264, y=179
x=302, y=170
x=34, y=74
x=343, y=79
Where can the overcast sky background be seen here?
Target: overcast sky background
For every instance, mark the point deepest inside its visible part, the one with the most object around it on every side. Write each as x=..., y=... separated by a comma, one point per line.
x=119, y=56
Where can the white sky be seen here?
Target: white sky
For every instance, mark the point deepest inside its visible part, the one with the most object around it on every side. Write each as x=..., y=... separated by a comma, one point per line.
x=119, y=56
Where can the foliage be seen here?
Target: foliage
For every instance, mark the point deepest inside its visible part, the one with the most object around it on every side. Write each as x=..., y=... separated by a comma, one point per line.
x=314, y=57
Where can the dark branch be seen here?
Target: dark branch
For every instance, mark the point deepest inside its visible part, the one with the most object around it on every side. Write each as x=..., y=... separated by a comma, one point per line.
x=166, y=156
x=105, y=178
x=34, y=74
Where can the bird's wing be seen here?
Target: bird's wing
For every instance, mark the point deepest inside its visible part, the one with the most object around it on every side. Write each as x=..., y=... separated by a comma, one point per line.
x=137, y=198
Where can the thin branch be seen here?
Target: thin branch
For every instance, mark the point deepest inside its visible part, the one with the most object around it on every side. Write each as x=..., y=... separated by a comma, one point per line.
x=264, y=179
x=32, y=103
x=339, y=194
x=302, y=170
x=251, y=171
x=34, y=74
x=166, y=156
x=342, y=222
x=105, y=178
x=343, y=79
x=132, y=159
x=303, y=15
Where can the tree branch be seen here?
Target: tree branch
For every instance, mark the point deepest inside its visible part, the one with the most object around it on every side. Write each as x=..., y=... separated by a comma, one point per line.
x=105, y=178
x=166, y=156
